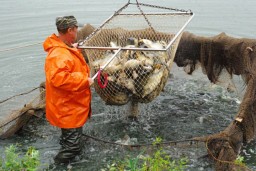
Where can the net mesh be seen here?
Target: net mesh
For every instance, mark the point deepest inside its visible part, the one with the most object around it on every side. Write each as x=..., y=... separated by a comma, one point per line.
x=136, y=73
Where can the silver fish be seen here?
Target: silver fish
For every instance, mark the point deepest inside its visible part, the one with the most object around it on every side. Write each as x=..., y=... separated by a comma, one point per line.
x=153, y=81
x=112, y=69
x=148, y=61
x=132, y=64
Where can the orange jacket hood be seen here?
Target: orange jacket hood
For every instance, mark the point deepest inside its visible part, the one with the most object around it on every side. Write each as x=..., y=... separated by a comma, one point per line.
x=68, y=94
x=53, y=41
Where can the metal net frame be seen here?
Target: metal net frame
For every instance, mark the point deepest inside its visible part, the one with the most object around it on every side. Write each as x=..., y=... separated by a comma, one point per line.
x=135, y=47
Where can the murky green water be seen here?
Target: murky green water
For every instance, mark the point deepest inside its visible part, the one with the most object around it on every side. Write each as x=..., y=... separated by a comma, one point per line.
x=187, y=108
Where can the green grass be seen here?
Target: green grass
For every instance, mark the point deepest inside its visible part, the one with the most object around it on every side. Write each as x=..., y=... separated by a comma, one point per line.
x=13, y=161
x=156, y=160
x=240, y=161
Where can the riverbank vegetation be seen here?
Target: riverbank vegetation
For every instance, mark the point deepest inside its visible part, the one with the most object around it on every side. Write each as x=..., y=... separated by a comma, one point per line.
x=13, y=161
x=155, y=159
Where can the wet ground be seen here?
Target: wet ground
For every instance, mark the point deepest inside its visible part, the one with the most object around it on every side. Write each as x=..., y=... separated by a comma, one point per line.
x=188, y=107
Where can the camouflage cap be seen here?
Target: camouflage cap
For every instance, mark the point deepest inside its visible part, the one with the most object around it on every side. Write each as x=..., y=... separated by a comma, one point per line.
x=66, y=22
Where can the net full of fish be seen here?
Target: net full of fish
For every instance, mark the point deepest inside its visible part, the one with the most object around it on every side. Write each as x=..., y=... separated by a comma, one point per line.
x=141, y=68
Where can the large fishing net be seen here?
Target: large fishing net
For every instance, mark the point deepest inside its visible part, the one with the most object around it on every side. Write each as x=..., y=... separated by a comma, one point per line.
x=14, y=117
x=133, y=51
x=234, y=56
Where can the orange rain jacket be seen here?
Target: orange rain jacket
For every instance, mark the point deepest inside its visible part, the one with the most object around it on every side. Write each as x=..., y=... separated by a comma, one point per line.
x=68, y=94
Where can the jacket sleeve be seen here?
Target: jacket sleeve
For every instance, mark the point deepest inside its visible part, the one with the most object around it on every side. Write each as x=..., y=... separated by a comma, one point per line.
x=62, y=75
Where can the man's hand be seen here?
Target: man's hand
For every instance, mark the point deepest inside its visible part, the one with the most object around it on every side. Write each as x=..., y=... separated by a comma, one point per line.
x=75, y=45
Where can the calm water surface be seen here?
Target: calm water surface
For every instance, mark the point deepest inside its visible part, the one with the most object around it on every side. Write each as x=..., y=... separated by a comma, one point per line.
x=30, y=22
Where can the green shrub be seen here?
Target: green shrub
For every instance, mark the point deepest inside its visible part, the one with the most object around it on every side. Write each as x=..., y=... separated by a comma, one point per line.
x=156, y=161
x=240, y=161
x=161, y=161
x=14, y=162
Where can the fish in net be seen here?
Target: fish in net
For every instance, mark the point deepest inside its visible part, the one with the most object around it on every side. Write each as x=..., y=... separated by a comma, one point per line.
x=134, y=51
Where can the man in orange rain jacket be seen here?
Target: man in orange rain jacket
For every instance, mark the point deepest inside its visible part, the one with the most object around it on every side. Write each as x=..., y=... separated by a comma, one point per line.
x=68, y=95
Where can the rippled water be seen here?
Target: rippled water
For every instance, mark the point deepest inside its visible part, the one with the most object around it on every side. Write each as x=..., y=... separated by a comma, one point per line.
x=188, y=107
